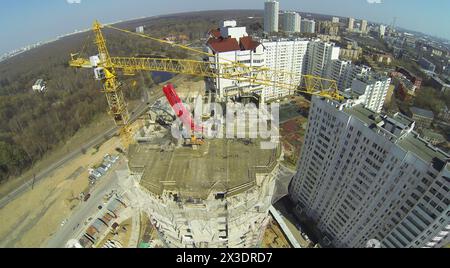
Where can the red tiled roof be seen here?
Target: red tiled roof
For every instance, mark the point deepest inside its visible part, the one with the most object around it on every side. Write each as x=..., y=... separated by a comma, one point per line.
x=223, y=44
x=247, y=43
x=215, y=33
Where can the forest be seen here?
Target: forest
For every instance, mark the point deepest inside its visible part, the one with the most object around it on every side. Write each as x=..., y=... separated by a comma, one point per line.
x=34, y=124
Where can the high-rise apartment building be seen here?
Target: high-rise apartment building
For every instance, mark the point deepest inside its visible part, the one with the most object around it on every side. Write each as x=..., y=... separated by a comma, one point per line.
x=291, y=22
x=351, y=24
x=308, y=26
x=230, y=43
x=335, y=20
x=320, y=56
x=271, y=16
x=337, y=71
x=371, y=90
x=344, y=72
x=352, y=72
x=287, y=55
x=366, y=176
x=382, y=31
x=364, y=26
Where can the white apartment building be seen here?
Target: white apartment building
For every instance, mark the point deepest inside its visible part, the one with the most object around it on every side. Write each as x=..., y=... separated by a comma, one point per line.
x=230, y=43
x=371, y=90
x=287, y=55
x=351, y=24
x=291, y=22
x=364, y=26
x=308, y=26
x=271, y=16
x=344, y=72
x=353, y=72
x=337, y=71
x=366, y=176
x=335, y=20
x=320, y=56
x=382, y=31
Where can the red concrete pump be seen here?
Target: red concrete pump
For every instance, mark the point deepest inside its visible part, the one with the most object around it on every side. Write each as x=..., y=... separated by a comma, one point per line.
x=181, y=111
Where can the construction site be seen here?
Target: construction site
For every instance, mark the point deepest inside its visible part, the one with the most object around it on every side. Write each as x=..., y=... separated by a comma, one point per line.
x=200, y=189
x=234, y=128
x=203, y=178
x=216, y=196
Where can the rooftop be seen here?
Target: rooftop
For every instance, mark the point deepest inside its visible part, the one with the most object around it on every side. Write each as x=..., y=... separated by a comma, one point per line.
x=408, y=140
x=222, y=40
x=371, y=78
x=219, y=44
x=422, y=112
x=223, y=44
x=219, y=166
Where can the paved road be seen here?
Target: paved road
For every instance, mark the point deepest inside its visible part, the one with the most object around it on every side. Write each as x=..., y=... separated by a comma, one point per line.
x=138, y=111
x=75, y=223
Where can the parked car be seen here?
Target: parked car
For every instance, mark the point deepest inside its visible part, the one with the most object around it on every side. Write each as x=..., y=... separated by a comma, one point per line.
x=101, y=171
x=107, y=164
x=111, y=159
x=95, y=173
x=86, y=198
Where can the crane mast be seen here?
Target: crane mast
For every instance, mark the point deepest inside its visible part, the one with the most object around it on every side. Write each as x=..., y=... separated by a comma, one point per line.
x=106, y=73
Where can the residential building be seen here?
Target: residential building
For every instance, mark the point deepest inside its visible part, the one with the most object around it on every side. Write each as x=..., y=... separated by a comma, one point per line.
x=351, y=24
x=328, y=28
x=427, y=65
x=417, y=81
x=344, y=72
x=383, y=58
x=439, y=84
x=308, y=26
x=409, y=40
x=445, y=114
x=382, y=31
x=287, y=55
x=365, y=176
x=320, y=56
x=437, y=52
x=329, y=38
x=422, y=117
x=351, y=52
x=364, y=26
x=335, y=20
x=432, y=137
x=337, y=71
x=291, y=22
x=405, y=89
x=371, y=90
x=352, y=73
x=271, y=16
x=230, y=43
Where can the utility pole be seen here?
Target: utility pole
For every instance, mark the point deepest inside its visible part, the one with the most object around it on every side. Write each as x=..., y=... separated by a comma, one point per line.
x=34, y=179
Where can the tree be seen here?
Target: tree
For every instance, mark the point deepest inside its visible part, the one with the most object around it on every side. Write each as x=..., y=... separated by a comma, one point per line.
x=429, y=98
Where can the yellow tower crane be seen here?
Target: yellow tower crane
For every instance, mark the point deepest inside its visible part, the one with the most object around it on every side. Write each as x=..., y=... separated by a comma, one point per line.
x=105, y=68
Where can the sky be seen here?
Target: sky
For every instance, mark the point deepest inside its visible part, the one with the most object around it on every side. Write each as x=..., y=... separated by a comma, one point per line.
x=26, y=22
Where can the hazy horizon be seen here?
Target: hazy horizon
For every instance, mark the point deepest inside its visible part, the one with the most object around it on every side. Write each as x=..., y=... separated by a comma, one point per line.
x=32, y=21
